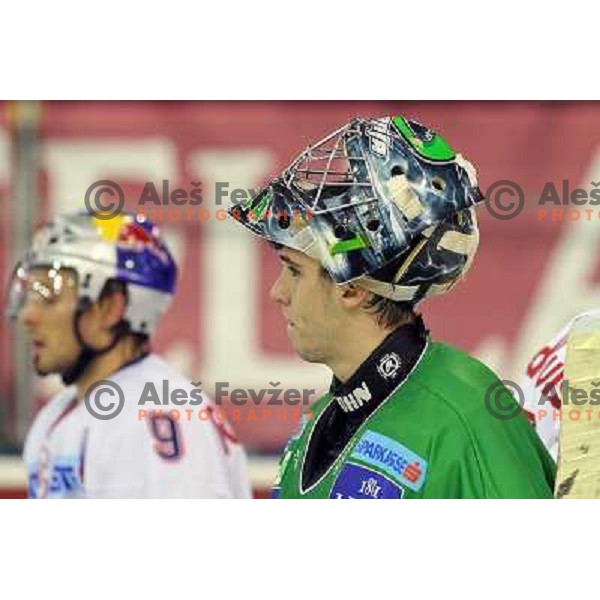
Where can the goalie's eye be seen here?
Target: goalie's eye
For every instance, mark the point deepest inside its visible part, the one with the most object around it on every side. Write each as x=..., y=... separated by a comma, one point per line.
x=293, y=271
x=396, y=171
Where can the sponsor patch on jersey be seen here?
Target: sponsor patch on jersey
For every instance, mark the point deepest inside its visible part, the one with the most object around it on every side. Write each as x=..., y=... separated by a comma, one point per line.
x=390, y=456
x=361, y=483
x=389, y=365
x=63, y=480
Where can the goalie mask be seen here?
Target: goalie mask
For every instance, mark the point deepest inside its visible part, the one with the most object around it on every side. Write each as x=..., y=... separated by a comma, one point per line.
x=385, y=203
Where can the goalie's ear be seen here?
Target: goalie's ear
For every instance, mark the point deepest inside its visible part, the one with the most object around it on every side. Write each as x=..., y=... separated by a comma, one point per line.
x=352, y=296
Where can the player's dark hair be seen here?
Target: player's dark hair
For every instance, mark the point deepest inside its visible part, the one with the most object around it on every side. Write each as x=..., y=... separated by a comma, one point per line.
x=388, y=313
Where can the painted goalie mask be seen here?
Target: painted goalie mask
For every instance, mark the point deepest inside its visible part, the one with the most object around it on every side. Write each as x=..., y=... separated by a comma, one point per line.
x=386, y=203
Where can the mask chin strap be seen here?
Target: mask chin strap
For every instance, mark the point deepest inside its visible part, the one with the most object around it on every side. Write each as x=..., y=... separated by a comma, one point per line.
x=87, y=353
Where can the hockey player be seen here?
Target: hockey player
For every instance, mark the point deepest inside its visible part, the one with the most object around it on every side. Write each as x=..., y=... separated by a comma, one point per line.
x=89, y=294
x=367, y=223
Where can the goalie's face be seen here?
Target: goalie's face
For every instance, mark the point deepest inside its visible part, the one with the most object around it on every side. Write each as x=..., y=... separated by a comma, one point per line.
x=310, y=303
x=45, y=302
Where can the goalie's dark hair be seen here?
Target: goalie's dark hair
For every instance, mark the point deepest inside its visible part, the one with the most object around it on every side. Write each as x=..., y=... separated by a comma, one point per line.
x=389, y=314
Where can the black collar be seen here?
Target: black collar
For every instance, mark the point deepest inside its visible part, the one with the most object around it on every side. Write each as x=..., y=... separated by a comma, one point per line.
x=382, y=372
x=357, y=399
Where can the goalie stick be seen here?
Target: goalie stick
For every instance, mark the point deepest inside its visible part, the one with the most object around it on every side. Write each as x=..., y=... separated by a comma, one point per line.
x=578, y=473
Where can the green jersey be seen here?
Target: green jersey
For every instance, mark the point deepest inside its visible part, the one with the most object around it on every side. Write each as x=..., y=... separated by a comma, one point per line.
x=427, y=433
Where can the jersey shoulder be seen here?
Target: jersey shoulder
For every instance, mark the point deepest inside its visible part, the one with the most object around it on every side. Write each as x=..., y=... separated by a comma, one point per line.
x=151, y=370
x=454, y=381
x=479, y=431
x=153, y=386
x=142, y=428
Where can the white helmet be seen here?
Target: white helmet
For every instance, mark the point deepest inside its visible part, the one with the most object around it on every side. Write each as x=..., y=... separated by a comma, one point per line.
x=125, y=248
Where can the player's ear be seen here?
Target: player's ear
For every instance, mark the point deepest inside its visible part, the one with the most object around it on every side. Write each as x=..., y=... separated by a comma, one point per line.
x=112, y=305
x=352, y=296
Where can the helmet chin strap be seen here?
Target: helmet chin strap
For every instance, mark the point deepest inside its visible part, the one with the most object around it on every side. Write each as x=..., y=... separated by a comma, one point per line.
x=87, y=353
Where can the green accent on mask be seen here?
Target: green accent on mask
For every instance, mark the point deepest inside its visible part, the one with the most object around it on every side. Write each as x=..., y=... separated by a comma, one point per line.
x=358, y=242
x=259, y=209
x=435, y=149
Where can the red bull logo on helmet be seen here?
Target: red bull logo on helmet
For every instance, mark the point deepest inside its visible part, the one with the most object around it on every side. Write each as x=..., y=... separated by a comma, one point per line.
x=134, y=233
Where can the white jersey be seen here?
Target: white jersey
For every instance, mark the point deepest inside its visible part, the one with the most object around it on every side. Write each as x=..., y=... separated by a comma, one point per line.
x=542, y=387
x=185, y=453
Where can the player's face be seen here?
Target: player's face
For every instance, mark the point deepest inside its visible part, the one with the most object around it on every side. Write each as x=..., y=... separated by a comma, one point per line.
x=309, y=304
x=47, y=317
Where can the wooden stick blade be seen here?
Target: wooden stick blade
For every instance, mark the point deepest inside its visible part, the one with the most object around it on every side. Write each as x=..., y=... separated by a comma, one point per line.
x=579, y=448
